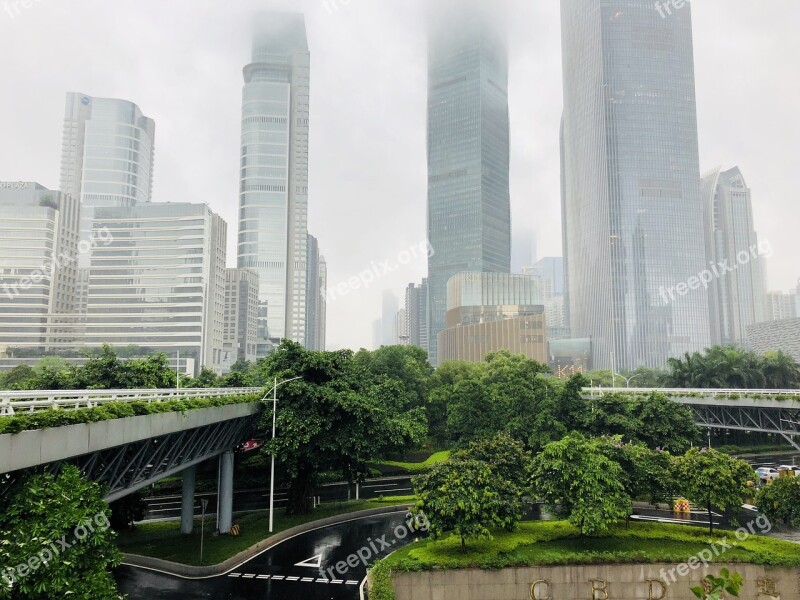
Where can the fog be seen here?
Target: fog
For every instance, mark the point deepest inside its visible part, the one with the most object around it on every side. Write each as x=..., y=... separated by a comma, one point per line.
x=181, y=62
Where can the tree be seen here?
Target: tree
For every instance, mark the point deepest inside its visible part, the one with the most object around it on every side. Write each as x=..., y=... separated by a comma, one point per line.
x=646, y=474
x=336, y=417
x=19, y=378
x=780, y=501
x=467, y=497
x=506, y=456
x=730, y=367
x=441, y=395
x=712, y=479
x=665, y=424
x=579, y=482
x=126, y=511
x=782, y=372
x=406, y=364
x=713, y=587
x=48, y=510
x=206, y=379
x=611, y=414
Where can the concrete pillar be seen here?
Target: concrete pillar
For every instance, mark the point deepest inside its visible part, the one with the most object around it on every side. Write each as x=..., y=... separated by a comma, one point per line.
x=225, y=492
x=187, y=500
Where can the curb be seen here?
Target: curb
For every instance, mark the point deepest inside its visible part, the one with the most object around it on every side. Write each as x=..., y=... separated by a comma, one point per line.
x=181, y=570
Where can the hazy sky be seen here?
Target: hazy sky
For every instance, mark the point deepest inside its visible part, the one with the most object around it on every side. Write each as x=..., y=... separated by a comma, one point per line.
x=181, y=62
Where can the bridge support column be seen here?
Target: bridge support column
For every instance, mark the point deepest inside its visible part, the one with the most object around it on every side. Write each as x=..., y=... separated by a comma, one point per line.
x=187, y=500
x=225, y=492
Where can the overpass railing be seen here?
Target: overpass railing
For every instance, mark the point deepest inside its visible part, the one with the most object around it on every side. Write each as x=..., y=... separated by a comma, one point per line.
x=31, y=401
x=696, y=392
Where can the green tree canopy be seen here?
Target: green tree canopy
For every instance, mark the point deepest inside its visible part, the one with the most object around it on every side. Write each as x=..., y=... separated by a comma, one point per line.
x=578, y=481
x=730, y=367
x=335, y=418
x=466, y=496
x=712, y=479
x=45, y=511
x=780, y=501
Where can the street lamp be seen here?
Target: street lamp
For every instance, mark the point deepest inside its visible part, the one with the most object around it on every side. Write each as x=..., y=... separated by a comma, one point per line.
x=204, y=505
x=627, y=379
x=274, y=391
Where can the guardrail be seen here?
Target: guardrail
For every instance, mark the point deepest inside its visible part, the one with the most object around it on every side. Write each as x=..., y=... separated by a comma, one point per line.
x=689, y=391
x=31, y=401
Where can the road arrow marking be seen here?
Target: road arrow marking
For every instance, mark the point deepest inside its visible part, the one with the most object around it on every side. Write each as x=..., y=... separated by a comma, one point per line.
x=315, y=562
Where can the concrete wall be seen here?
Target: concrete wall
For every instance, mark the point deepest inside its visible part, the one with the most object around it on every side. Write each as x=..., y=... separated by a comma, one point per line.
x=32, y=448
x=620, y=582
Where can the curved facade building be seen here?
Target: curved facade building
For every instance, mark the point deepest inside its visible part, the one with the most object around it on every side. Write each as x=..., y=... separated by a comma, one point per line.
x=633, y=210
x=273, y=193
x=775, y=335
x=106, y=157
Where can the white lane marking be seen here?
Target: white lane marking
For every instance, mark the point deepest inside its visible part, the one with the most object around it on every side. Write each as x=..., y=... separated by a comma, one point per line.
x=292, y=578
x=307, y=580
x=322, y=581
x=262, y=577
x=278, y=577
x=249, y=576
x=351, y=582
x=315, y=562
x=234, y=574
x=337, y=581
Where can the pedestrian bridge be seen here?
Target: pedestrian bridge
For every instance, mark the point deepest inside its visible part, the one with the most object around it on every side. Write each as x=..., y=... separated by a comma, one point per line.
x=764, y=411
x=131, y=453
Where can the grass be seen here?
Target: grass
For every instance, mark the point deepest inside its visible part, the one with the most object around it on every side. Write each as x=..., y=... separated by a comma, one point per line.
x=558, y=543
x=418, y=467
x=393, y=500
x=164, y=540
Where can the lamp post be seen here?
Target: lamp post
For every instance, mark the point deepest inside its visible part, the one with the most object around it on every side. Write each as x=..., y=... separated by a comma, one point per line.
x=627, y=379
x=274, y=391
x=203, y=504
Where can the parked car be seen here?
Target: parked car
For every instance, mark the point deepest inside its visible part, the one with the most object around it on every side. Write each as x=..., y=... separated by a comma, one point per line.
x=768, y=473
x=793, y=469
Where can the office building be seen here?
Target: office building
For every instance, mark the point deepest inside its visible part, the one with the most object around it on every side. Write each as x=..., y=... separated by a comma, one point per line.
x=400, y=329
x=273, y=193
x=240, y=329
x=389, y=307
x=416, y=312
x=737, y=298
x=316, y=302
x=469, y=215
x=159, y=283
x=634, y=218
x=783, y=305
x=38, y=276
x=487, y=312
x=550, y=272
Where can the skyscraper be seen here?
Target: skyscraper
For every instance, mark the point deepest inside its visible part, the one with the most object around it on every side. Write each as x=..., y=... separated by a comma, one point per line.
x=633, y=209
x=317, y=275
x=273, y=193
x=107, y=156
x=737, y=299
x=469, y=215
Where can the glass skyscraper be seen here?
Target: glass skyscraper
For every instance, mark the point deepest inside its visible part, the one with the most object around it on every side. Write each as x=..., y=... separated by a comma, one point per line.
x=273, y=194
x=106, y=156
x=737, y=298
x=469, y=215
x=633, y=209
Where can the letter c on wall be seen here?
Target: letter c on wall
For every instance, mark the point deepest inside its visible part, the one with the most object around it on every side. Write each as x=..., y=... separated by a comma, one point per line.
x=535, y=590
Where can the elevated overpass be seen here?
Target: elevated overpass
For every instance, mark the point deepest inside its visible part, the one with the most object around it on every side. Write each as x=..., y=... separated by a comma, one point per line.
x=130, y=453
x=763, y=411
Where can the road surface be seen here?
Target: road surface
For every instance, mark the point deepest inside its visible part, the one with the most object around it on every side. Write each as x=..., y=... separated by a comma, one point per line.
x=302, y=567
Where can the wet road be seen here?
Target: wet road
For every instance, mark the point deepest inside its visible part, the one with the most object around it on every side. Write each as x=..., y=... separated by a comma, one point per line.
x=302, y=567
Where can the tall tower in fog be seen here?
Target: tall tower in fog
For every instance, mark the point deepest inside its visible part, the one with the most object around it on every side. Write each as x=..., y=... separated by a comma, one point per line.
x=273, y=193
x=633, y=209
x=469, y=215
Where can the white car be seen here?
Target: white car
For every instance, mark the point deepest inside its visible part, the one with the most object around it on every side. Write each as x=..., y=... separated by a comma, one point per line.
x=768, y=473
x=794, y=469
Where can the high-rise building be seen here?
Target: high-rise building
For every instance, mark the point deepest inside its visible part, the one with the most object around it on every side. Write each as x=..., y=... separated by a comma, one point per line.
x=469, y=215
x=273, y=193
x=107, y=155
x=316, y=302
x=487, y=312
x=400, y=329
x=416, y=312
x=389, y=307
x=240, y=331
x=633, y=208
x=736, y=298
x=158, y=282
x=550, y=273
x=783, y=305
x=107, y=159
x=38, y=253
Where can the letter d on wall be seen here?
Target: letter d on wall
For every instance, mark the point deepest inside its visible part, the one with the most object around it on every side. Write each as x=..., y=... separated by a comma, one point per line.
x=536, y=589
x=663, y=587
